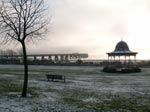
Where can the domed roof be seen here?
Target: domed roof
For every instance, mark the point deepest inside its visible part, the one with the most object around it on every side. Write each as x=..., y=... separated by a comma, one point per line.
x=122, y=49
x=122, y=46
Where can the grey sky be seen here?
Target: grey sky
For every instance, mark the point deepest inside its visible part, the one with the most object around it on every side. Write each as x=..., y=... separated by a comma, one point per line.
x=95, y=26
x=86, y=25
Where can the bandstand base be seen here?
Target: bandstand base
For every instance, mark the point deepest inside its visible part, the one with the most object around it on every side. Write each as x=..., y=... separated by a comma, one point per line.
x=112, y=69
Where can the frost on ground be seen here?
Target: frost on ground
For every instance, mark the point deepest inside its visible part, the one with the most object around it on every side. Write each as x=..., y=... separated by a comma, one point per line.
x=87, y=89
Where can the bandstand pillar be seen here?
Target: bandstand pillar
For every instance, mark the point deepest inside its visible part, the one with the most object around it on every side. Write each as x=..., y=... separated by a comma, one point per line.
x=114, y=58
x=134, y=58
x=125, y=60
x=108, y=59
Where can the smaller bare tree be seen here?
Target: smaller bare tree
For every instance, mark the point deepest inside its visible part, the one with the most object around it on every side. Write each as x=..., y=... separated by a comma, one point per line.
x=22, y=21
x=10, y=53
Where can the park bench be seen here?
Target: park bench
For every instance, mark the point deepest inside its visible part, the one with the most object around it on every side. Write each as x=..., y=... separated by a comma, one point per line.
x=55, y=77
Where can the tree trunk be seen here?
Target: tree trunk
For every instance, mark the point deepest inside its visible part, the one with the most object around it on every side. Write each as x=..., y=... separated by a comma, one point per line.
x=25, y=86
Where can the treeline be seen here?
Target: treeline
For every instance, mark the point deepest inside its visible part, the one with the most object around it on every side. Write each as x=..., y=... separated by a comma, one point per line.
x=10, y=52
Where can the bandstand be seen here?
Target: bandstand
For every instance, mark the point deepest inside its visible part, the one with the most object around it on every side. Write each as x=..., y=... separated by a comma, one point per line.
x=121, y=50
x=122, y=59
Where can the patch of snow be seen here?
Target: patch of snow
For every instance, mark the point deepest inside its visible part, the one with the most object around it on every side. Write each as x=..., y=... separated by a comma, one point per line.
x=7, y=75
x=91, y=99
x=49, y=101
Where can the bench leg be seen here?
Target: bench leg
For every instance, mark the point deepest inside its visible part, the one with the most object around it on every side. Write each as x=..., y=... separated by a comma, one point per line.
x=64, y=79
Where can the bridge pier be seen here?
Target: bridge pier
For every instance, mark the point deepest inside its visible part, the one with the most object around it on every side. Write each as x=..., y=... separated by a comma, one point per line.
x=42, y=57
x=66, y=58
x=34, y=58
x=49, y=58
x=62, y=58
x=56, y=58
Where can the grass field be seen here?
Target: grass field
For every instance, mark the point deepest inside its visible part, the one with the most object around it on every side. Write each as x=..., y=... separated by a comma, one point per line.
x=87, y=89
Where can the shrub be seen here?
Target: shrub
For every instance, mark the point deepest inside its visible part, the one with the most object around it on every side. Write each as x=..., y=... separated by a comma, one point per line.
x=123, y=70
x=109, y=69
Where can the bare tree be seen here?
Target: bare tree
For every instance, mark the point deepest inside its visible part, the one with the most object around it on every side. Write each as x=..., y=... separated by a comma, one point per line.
x=22, y=21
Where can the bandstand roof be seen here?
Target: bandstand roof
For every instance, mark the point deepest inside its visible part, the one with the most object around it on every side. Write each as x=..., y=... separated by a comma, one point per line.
x=122, y=49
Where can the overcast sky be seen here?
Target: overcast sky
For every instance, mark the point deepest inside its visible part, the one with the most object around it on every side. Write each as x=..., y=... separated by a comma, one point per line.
x=95, y=27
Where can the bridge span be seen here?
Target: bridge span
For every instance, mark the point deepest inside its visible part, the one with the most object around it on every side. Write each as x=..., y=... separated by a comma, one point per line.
x=52, y=57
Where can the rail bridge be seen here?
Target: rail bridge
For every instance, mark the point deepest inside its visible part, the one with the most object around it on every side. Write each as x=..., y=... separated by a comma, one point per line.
x=53, y=57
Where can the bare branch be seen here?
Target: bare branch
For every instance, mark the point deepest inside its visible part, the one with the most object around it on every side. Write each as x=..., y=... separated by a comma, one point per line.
x=21, y=19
